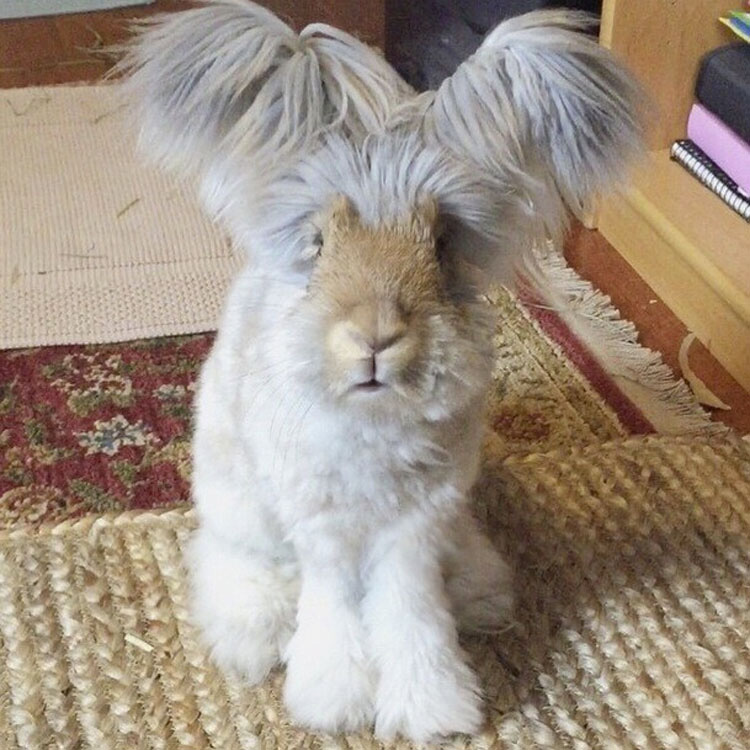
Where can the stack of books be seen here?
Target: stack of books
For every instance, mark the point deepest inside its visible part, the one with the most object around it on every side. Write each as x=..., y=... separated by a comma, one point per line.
x=739, y=22
x=717, y=148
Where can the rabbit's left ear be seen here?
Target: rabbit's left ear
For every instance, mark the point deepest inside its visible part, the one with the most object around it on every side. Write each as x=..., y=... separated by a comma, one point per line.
x=229, y=78
x=545, y=111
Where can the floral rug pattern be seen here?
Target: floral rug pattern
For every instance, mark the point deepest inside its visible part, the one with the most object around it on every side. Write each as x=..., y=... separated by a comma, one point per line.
x=89, y=429
x=98, y=428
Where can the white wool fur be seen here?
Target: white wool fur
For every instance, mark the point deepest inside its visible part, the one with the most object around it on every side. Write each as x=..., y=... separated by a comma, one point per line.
x=350, y=519
x=335, y=529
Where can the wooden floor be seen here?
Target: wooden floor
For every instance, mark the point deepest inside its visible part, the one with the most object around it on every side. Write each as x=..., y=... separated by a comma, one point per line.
x=595, y=259
x=70, y=48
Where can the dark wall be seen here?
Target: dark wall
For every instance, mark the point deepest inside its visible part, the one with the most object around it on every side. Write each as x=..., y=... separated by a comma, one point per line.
x=427, y=39
x=483, y=14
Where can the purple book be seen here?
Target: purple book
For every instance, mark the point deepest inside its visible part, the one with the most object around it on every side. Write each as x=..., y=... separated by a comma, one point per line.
x=721, y=144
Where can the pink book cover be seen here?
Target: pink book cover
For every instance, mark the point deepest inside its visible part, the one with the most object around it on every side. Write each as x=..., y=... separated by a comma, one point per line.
x=720, y=144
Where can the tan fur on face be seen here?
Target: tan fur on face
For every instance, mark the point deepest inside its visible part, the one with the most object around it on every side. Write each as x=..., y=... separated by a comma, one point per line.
x=377, y=287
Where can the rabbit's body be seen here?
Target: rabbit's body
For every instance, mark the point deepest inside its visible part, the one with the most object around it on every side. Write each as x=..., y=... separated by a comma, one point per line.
x=276, y=479
x=295, y=495
x=340, y=413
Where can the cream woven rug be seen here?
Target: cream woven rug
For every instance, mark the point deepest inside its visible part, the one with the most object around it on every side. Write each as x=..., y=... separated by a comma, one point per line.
x=94, y=246
x=633, y=575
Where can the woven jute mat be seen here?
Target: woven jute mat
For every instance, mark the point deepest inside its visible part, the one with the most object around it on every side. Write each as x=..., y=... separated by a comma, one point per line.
x=95, y=246
x=632, y=564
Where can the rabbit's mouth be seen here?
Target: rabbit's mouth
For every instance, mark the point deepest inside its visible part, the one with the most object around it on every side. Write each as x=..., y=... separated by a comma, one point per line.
x=371, y=386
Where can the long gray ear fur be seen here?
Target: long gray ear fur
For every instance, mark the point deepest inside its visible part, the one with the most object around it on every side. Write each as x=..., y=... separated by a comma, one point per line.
x=230, y=77
x=545, y=111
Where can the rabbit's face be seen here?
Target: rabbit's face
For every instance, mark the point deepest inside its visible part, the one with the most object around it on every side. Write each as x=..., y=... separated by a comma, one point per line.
x=387, y=323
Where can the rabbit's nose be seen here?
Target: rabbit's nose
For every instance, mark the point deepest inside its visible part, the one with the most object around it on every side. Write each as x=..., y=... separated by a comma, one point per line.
x=376, y=327
x=380, y=344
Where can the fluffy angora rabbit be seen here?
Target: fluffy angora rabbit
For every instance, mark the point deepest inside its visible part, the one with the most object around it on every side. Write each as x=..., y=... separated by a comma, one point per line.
x=340, y=413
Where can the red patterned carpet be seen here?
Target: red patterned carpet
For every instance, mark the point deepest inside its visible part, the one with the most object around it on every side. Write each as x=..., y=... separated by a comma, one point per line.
x=96, y=428
x=107, y=427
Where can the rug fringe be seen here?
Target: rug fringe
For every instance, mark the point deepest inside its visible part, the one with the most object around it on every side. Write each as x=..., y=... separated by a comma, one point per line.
x=665, y=400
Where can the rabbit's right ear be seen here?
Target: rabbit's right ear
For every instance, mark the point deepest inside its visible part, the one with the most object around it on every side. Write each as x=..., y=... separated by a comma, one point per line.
x=545, y=111
x=230, y=77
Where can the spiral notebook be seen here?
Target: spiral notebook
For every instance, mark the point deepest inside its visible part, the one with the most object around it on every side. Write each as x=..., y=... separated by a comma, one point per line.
x=686, y=153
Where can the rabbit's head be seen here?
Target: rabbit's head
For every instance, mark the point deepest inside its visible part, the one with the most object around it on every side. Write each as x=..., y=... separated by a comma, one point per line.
x=384, y=210
x=386, y=318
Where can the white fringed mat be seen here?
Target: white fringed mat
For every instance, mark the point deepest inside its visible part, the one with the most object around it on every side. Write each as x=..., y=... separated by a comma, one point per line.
x=94, y=246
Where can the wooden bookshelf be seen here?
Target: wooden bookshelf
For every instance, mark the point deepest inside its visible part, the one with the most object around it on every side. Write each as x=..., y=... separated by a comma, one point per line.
x=691, y=248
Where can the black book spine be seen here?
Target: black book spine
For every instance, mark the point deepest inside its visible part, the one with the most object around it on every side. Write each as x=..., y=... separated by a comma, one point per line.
x=723, y=86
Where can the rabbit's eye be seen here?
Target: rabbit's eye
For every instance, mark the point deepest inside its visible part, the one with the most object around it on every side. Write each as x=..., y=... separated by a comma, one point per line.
x=318, y=244
x=312, y=250
x=441, y=249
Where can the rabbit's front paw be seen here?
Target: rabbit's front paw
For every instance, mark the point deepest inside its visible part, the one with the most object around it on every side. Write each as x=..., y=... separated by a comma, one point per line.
x=246, y=642
x=251, y=662
x=426, y=705
x=328, y=684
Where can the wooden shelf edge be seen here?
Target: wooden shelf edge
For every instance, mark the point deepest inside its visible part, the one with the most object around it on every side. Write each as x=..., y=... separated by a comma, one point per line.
x=691, y=254
x=699, y=294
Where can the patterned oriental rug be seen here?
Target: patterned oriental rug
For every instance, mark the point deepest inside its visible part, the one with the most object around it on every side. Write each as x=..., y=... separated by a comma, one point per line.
x=101, y=428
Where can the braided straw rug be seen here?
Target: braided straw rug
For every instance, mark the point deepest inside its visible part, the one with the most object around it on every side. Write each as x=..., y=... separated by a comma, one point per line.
x=633, y=575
